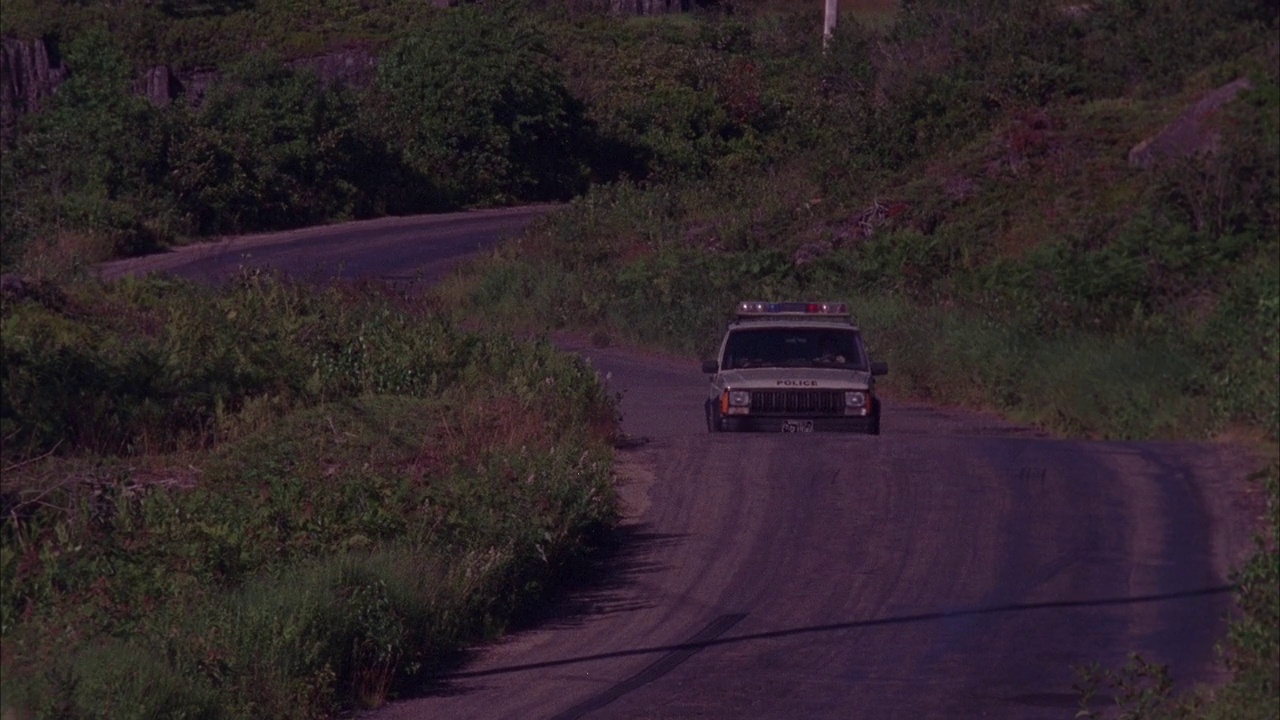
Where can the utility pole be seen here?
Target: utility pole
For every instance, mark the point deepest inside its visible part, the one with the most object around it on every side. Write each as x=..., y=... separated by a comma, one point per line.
x=829, y=21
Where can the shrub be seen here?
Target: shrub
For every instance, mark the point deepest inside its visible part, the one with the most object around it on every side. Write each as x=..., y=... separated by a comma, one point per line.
x=478, y=106
x=269, y=148
x=351, y=489
x=93, y=160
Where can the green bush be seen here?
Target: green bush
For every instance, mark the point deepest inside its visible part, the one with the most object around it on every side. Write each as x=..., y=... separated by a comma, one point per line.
x=347, y=490
x=91, y=160
x=113, y=679
x=477, y=104
x=269, y=148
x=1253, y=645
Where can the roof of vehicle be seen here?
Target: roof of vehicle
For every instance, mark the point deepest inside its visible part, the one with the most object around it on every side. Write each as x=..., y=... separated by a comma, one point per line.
x=754, y=313
x=842, y=323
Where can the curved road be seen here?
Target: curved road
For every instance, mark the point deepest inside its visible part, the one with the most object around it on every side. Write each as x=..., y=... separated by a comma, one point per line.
x=957, y=566
x=421, y=248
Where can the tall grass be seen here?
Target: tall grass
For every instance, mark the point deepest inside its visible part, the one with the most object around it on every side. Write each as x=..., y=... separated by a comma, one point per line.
x=274, y=501
x=958, y=175
x=960, y=178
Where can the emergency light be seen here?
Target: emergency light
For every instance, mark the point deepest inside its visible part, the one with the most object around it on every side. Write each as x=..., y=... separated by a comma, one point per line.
x=758, y=309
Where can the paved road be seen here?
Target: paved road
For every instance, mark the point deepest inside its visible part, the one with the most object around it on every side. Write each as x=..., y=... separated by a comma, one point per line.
x=420, y=248
x=957, y=566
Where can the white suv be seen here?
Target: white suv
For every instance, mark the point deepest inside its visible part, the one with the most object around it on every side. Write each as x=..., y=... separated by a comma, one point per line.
x=793, y=367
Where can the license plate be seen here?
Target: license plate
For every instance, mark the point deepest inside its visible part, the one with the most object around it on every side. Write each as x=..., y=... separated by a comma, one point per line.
x=797, y=426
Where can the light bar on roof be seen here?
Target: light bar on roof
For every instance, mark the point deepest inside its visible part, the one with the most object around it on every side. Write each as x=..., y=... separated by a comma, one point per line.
x=756, y=308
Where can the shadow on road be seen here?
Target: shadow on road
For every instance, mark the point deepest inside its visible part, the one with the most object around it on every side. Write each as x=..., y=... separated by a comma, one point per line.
x=836, y=627
x=600, y=586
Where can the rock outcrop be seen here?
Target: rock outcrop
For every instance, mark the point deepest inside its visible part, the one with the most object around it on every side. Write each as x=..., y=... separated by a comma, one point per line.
x=161, y=86
x=650, y=7
x=354, y=66
x=29, y=73
x=30, y=70
x=158, y=85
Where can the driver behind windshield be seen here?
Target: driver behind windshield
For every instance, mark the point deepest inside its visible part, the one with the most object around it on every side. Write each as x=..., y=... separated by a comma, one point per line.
x=794, y=347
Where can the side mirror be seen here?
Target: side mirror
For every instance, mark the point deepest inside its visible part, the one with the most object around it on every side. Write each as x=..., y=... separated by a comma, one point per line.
x=710, y=367
x=879, y=368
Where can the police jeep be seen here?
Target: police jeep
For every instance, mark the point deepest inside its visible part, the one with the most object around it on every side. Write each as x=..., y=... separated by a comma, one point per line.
x=793, y=367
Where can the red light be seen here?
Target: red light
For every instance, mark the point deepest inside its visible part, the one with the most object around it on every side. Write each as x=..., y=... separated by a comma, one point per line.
x=758, y=309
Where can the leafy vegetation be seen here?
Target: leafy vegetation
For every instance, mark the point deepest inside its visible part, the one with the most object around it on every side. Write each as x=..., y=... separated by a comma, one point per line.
x=960, y=173
x=194, y=34
x=465, y=108
x=962, y=178
x=484, y=109
x=959, y=207
x=274, y=501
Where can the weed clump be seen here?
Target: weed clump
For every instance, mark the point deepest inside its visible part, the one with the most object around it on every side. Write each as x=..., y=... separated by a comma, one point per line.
x=275, y=500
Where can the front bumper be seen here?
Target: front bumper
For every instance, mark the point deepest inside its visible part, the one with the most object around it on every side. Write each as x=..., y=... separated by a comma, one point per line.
x=855, y=424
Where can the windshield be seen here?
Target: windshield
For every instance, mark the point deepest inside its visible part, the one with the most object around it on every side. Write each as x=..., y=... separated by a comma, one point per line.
x=794, y=347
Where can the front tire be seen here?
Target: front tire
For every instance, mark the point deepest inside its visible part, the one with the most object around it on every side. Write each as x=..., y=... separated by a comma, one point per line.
x=715, y=423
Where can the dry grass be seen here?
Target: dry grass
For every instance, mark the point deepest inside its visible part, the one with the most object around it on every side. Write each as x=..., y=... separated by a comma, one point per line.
x=65, y=254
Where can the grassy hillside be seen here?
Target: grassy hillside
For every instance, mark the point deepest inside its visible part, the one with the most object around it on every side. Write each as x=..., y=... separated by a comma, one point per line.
x=963, y=178
x=960, y=173
x=193, y=34
x=273, y=501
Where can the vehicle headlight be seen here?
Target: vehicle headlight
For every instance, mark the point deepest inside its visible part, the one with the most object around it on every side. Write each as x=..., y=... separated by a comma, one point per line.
x=739, y=398
x=856, y=400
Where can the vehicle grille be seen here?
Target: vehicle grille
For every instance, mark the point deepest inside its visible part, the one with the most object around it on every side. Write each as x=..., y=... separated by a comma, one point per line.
x=796, y=402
